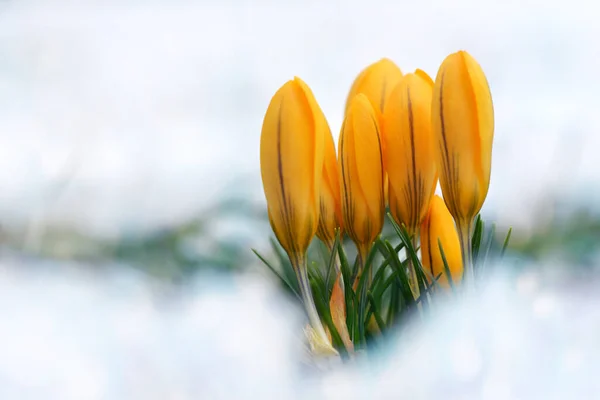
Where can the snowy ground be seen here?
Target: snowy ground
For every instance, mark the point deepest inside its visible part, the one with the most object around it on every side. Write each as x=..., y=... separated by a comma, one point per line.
x=68, y=334
x=152, y=110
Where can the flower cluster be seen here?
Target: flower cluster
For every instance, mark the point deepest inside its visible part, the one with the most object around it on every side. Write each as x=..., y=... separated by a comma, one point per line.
x=401, y=134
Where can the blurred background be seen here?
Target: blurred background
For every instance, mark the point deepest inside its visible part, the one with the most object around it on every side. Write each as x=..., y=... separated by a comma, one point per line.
x=129, y=172
x=130, y=129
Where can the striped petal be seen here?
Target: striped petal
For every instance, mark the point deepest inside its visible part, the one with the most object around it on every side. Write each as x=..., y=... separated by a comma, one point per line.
x=463, y=124
x=409, y=155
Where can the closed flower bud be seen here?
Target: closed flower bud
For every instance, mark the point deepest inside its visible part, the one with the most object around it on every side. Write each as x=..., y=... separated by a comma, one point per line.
x=409, y=154
x=291, y=161
x=439, y=225
x=330, y=213
x=361, y=168
x=462, y=116
x=376, y=82
x=463, y=124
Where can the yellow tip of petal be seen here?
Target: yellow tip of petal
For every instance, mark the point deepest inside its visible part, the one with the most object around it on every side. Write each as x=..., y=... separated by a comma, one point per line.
x=422, y=74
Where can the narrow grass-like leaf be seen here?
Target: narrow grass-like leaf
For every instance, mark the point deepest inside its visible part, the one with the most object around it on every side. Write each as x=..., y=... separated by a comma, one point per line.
x=330, y=265
x=488, y=245
x=316, y=271
x=446, y=267
x=355, y=269
x=325, y=314
x=404, y=286
x=393, y=306
x=476, y=239
x=505, y=245
x=286, y=265
x=426, y=274
x=426, y=292
x=317, y=278
x=411, y=253
x=277, y=274
x=376, y=314
x=361, y=289
x=349, y=294
x=386, y=262
x=380, y=245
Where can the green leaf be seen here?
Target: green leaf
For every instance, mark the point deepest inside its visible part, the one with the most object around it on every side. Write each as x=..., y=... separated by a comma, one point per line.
x=386, y=262
x=446, y=267
x=505, y=245
x=286, y=265
x=411, y=253
x=349, y=294
x=361, y=289
x=393, y=306
x=404, y=286
x=325, y=314
x=376, y=314
x=277, y=274
x=476, y=239
x=330, y=265
x=488, y=246
x=316, y=277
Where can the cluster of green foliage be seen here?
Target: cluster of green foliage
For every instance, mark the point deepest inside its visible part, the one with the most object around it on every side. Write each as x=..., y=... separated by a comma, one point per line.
x=388, y=299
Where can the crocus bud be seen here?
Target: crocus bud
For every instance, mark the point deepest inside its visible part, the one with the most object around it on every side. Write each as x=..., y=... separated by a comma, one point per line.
x=409, y=154
x=462, y=116
x=376, y=82
x=463, y=124
x=439, y=225
x=291, y=162
x=361, y=169
x=330, y=213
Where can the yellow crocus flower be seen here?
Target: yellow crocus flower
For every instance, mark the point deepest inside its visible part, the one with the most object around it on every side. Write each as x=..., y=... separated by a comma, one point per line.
x=409, y=154
x=361, y=169
x=291, y=163
x=376, y=82
x=330, y=213
x=462, y=116
x=439, y=225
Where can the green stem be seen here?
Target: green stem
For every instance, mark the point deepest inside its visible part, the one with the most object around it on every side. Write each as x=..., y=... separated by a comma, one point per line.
x=414, y=281
x=363, y=252
x=465, y=235
x=307, y=297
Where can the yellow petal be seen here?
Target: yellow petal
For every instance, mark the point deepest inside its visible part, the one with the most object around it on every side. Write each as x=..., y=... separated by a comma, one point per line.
x=330, y=215
x=422, y=74
x=463, y=124
x=361, y=170
x=386, y=185
x=376, y=82
x=438, y=224
x=291, y=160
x=409, y=154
